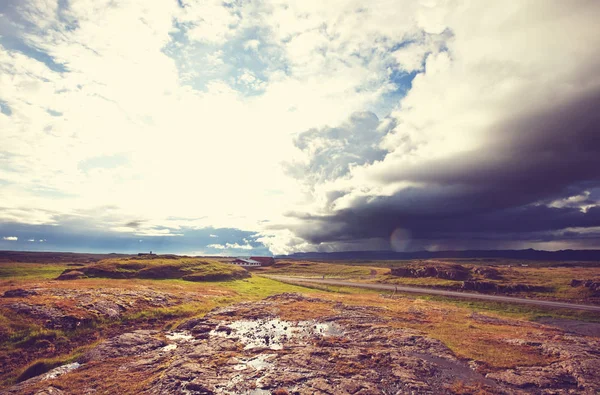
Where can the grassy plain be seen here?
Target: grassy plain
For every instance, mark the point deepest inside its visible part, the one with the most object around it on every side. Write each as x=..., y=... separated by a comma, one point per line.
x=28, y=346
x=27, y=343
x=555, y=276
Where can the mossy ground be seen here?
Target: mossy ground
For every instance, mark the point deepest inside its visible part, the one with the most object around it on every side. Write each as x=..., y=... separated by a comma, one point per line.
x=449, y=320
x=26, y=344
x=158, y=267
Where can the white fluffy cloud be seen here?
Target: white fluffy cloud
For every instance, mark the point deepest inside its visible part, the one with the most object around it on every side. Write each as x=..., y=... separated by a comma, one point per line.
x=10, y=238
x=231, y=246
x=182, y=114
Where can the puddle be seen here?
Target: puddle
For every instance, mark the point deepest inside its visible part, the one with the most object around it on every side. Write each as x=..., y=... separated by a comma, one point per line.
x=455, y=369
x=258, y=363
x=261, y=362
x=59, y=371
x=179, y=336
x=275, y=332
x=573, y=326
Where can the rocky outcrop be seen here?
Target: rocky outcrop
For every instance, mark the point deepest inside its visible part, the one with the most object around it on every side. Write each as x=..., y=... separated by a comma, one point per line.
x=249, y=349
x=246, y=348
x=134, y=343
x=53, y=318
x=448, y=272
x=50, y=391
x=592, y=285
x=487, y=272
x=71, y=275
x=19, y=293
x=86, y=305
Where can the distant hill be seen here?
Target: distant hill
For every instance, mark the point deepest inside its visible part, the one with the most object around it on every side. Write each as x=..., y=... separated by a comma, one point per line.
x=158, y=267
x=529, y=254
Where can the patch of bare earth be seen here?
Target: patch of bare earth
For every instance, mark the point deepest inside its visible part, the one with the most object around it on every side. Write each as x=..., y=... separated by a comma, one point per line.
x=282, y=345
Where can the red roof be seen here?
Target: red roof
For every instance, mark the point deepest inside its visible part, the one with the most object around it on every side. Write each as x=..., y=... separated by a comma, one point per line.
x=264, y=260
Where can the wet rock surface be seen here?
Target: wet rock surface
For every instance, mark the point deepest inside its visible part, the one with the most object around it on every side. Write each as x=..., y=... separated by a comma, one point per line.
x=576, y=371
x=352, y=352
x=134, y=343
x=573, y=326
x=252, y=348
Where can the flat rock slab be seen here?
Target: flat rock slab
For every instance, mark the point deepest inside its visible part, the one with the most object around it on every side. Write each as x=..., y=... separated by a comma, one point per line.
x=573, y=326
x=251, y=348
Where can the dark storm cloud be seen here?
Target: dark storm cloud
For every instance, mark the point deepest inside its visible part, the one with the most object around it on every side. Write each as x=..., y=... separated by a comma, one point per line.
x=134, y=224
x=525, y=159
x=501, y=191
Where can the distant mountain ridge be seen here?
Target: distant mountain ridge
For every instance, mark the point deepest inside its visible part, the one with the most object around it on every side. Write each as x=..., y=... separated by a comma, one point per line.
x=529, y=254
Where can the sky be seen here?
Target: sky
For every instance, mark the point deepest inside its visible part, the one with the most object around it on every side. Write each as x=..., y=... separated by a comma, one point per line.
x=271, y=127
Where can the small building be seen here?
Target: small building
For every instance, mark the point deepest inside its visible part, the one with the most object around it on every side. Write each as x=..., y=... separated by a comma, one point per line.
x=264, y=260
x=246, y=262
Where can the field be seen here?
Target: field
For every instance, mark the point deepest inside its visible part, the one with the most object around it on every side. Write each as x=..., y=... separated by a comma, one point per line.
x=412, y=343
x=542, y=280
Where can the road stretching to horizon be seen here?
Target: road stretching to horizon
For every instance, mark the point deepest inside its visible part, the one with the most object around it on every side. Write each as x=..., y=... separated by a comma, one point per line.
x=439, y=292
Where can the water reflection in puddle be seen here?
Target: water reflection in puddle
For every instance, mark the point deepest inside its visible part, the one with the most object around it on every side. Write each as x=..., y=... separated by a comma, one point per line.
x=261, y=362
x=274, y=333
x=59, y=371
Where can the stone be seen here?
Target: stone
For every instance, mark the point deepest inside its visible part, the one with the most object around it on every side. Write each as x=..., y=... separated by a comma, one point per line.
x=19, y=293
x=133, y=343
x=448, y=272
x=366, y=354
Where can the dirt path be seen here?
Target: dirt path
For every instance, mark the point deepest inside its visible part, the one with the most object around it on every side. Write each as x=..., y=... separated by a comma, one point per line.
x=440, y=292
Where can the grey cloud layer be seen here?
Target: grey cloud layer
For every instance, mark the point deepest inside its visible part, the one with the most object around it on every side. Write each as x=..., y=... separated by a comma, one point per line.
x=501, y=192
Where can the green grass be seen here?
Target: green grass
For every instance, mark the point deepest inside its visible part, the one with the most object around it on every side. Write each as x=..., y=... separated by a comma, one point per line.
x=258, y=287
x=317, y=269
x=43, y=365
x=513, y=310
x=250, y=289
x=420, y=281
x=30, y=271
x=191, y=269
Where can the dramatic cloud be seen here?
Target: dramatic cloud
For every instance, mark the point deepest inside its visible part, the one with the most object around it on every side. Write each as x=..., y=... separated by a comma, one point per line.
x=299, y=125
x=496, y=144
